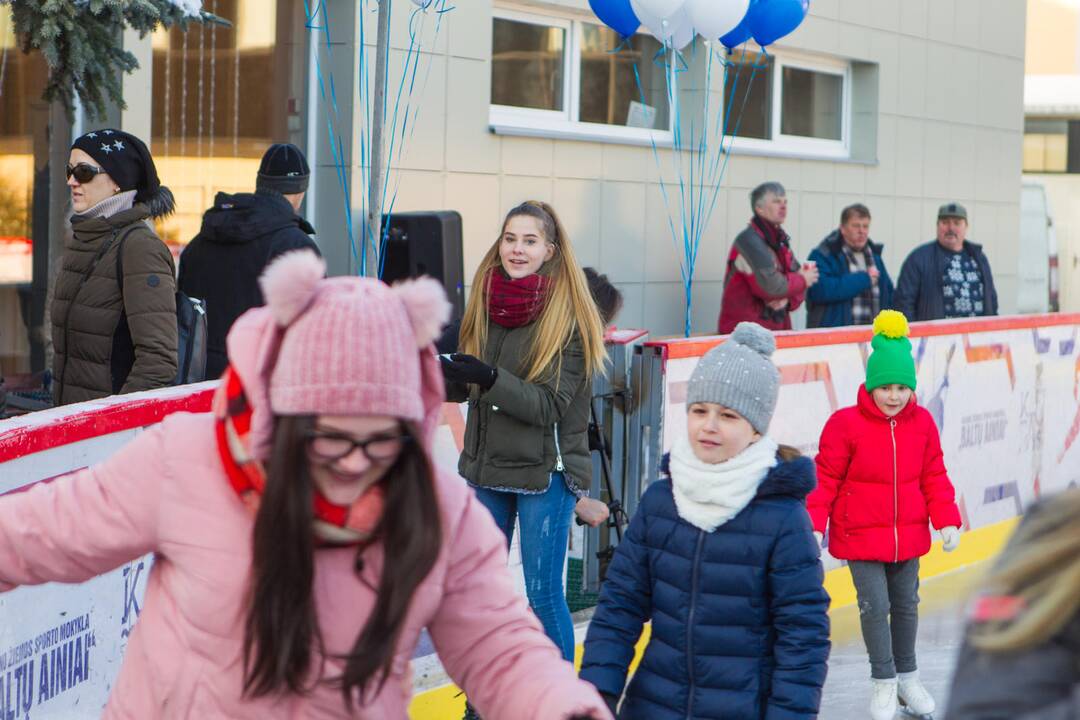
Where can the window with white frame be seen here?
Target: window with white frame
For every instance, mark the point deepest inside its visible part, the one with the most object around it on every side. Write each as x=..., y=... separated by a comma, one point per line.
x=790, y=104
x=563, y=77
x=556, y=75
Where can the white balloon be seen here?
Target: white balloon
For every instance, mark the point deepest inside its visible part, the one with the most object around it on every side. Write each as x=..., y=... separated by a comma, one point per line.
x=656, y=23
x=661, y=9
x=683, y=34
x=664, y=28
x=715, y=18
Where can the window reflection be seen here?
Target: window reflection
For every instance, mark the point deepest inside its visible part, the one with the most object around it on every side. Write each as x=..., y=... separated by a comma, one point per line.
x=609, y=89
x=220, y=97
x=24, y=118
x=748, y=92
x=527, y=64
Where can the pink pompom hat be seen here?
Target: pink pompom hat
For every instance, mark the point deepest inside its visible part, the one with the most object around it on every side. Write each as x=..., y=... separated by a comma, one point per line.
x=339, y=346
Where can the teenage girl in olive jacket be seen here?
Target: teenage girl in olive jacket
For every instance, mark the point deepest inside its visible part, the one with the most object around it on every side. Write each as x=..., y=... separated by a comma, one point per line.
x=531, y=341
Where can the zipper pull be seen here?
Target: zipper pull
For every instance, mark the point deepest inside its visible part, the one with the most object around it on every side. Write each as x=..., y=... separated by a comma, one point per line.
x=559, y=467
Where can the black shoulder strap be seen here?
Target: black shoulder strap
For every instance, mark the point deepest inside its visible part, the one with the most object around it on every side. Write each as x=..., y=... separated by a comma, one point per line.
x=120, y=261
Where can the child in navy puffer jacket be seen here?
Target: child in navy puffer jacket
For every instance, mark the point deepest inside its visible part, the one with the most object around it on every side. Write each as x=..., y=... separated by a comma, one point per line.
x=721, y=557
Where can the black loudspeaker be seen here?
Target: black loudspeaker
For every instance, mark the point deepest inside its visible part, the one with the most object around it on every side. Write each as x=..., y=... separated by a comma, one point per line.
x=427, y=243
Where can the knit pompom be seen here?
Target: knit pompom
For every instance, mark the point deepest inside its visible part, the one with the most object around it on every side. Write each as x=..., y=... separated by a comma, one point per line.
x=289, y=284
x=429, y=310
x=754, y=337
x=891, y=324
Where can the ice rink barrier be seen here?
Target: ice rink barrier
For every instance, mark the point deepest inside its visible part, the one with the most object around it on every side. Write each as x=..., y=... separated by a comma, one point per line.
x=1004, y=392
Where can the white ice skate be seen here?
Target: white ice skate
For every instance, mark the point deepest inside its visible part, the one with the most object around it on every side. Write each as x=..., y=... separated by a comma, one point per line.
x=913, y=696
x=883, y=700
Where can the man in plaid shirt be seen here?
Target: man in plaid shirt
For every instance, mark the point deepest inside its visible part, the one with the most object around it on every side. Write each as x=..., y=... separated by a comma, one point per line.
x=854, y=285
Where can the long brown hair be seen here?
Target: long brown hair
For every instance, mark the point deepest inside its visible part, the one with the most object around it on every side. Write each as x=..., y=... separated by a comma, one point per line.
x=1042, y=566
x=281, y=626
x=569, y=309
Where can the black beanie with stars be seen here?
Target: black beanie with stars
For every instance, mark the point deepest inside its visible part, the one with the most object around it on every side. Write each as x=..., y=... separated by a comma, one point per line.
x=128, y=162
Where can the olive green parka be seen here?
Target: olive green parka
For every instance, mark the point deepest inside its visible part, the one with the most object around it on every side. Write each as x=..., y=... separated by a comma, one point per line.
x=518, y=433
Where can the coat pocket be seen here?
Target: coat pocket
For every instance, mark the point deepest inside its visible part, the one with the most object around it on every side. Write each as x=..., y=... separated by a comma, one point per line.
x=512, y=443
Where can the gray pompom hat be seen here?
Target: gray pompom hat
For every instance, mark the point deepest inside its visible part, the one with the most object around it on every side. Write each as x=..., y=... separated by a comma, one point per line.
x=739, y=374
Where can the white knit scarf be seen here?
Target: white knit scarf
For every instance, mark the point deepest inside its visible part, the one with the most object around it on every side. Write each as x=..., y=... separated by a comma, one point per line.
x=708, y=495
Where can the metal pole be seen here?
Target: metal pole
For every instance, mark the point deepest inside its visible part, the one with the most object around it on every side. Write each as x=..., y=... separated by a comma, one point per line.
x=377, y=175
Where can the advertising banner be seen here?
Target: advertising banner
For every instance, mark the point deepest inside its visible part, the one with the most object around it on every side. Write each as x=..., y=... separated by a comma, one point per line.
x=1004, y=393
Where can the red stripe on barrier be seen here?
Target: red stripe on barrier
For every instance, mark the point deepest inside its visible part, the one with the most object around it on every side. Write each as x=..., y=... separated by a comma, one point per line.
x=67, y=429
x=696, y=347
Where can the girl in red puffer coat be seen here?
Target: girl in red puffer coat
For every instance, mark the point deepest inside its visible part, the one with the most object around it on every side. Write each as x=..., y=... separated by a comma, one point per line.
x=881, y=480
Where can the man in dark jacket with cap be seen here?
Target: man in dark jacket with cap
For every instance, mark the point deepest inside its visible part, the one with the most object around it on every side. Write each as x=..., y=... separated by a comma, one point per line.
x=949, y=277
x=240, y=235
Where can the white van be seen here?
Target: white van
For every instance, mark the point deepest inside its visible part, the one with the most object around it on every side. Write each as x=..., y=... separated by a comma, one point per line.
x=1037, y=281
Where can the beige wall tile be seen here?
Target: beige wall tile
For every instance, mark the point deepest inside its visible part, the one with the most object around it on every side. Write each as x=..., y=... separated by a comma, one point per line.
x=528, y=156
x=468, y=29
x=885, y=14
x=968, y=15
x=962, y=164
x=911, y=79
x=578, y=204
x=579, y=160
x=851, y=178
x=664, y=311
x=909, y=158
x=941, y=26
x=936, y=158
x=1002, y=26
x=819, y=175
x=914, y=17
x=622, y=231
x=476, y=197
x=885, y=51
x=705, y=313
x=516, y=189
x=881, y=178
x=470, y=146
x=664, y=254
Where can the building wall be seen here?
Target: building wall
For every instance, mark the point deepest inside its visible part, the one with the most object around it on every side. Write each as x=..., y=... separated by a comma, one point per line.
x=1052, y=35
x=949, y=127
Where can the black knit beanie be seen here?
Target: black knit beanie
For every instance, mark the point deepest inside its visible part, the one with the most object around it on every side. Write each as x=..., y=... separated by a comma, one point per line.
x=128, y=162
x=284, y=169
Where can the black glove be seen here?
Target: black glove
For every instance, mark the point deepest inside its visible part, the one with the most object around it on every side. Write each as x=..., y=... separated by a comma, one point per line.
x=462, y=368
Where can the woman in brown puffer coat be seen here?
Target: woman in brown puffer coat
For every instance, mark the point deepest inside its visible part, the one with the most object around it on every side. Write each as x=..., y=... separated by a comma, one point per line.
x=114, y=304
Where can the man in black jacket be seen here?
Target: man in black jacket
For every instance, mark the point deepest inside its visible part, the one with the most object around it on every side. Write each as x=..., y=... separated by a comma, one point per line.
x=240, y=235
x=949, y=277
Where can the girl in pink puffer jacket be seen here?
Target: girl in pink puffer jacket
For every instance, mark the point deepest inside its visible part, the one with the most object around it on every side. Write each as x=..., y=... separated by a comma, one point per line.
x=302, y=536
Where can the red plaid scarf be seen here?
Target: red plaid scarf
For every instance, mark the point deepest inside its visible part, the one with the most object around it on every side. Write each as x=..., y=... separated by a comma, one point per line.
x=513, y=303
x=336, y=524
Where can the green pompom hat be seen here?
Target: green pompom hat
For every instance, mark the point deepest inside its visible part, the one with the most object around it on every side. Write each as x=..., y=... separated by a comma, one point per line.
x=891, y=361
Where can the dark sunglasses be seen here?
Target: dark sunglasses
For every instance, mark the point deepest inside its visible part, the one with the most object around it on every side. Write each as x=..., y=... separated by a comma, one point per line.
x=330, y=447
x=84, y=172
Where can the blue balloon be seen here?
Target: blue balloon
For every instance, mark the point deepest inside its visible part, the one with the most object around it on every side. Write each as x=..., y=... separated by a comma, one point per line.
x=617, y=15
x=771, y=20
x=741, y=32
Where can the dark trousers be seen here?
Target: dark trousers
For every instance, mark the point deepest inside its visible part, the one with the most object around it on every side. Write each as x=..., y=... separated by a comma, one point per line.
x=889, y=614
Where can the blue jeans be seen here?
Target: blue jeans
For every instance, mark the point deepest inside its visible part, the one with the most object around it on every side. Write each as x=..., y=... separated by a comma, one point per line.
x=544, y=520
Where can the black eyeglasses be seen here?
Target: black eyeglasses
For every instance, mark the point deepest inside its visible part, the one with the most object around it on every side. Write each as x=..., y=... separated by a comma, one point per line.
x=84, y=172
x=330, y=447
